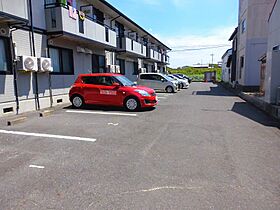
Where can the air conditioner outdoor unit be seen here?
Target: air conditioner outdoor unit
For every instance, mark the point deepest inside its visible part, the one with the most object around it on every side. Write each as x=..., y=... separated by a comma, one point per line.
x=143, y=70
x=133, y=35
x=111, y=68
x=27, y=63
x=114, y=69
x=81, y=50
x=88, y=51
x=45, y=65
x=118, y=69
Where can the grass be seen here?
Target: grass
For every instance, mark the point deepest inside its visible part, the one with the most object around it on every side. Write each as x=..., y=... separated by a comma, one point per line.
x=195, y=73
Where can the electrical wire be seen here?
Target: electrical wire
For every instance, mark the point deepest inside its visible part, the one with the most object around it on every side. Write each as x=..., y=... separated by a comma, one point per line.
x=199, y=48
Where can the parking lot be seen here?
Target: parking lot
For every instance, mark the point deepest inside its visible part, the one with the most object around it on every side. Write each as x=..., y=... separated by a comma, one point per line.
x=200, y=148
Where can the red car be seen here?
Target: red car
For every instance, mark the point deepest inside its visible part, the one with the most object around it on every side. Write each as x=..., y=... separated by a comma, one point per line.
x=110, y=90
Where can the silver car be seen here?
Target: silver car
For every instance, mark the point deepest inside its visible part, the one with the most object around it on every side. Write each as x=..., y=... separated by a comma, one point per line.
x=158, y=81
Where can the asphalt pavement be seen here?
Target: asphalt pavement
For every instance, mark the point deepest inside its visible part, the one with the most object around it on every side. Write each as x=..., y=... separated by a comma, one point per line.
x=202, y=148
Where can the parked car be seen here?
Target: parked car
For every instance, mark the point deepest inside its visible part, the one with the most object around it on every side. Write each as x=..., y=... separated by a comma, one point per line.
x=158, y=81
x=182, y=76
x=183, y=83
x=110, y=90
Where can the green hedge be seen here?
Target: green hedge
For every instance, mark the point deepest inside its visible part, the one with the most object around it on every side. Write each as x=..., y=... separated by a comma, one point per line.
x=196, y=73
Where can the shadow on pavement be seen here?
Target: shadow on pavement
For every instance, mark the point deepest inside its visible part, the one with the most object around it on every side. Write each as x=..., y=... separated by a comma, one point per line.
x=107, y=108
x=252, y=113
x=217, y=90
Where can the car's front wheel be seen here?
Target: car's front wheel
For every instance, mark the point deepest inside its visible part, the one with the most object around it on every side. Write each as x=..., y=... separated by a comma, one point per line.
x=132, y=104
x=77, y=101
x=169, y=89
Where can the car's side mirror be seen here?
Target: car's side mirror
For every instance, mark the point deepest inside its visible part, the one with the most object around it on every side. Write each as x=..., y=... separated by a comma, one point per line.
x=162, y=80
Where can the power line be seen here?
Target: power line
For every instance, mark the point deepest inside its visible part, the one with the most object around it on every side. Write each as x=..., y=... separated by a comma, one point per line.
x=198, y=49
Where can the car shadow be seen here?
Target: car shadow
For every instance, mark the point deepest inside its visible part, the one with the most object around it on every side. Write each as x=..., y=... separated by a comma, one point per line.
x=107, y=108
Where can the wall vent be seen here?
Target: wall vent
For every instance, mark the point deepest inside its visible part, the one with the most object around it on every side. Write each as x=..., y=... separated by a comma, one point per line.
x=59, y=101
x=8, y=110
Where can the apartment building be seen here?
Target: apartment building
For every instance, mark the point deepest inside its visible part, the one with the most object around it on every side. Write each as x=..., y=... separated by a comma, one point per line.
x=79, y=36
x=226, y=71
x=233, y=60
x=272, y=72
x=252, y=41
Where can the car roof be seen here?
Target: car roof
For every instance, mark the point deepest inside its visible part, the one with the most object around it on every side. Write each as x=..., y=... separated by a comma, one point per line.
x=152, y=73
x=99, y=74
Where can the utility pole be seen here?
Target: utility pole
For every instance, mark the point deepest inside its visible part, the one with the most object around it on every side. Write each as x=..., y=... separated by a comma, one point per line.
x=212, y=55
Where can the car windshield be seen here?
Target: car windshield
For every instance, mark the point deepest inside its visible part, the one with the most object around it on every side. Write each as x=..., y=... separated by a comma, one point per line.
x=172, y=77
x=167, y=78
x=124, y=81
x=178, y=76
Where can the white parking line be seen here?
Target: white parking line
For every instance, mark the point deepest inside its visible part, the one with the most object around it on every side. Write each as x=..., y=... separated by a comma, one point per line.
x=35, y=166
x=102, y=113
x=48, y=136
x=161, y=97
x=114, y=124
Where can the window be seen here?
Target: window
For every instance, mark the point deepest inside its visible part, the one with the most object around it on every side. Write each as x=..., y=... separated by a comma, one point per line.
x=243, y=26
x=5, y=57
x=62, y=60
x=151, y=77
x=135, y=68
x=90, y=80
x=107, y=81
x=157, y=77
x=241, y=66
x=146, y=77
x=241, y=61
x=98, y=64
x=121, y=63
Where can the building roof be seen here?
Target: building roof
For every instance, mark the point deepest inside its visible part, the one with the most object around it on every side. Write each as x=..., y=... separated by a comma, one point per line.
x=226, y=53
x=233, y=34
x=132, y=22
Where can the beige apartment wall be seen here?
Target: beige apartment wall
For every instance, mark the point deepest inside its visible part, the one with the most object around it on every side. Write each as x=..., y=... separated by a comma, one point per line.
x=272, y=80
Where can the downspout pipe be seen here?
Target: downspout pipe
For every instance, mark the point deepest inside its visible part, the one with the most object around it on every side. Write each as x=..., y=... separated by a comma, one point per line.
x=15, y=76
x=34, y=54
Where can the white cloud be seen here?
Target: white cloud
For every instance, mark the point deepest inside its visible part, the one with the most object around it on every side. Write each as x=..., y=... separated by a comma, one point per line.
x=218, y=36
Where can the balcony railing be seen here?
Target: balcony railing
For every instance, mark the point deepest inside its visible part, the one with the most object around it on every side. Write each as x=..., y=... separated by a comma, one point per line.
x=16, y=9
x=59, y=19
x=132, y=46
x=165, y=59
x=154, y=55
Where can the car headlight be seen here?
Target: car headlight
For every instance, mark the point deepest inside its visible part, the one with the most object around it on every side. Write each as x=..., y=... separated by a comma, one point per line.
x=142, y=92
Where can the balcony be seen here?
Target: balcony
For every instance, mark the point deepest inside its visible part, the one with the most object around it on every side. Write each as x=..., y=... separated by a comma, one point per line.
x=59, y=21
x=165, y=59
x=13, y=12
x=154, y=55
x=131, y=46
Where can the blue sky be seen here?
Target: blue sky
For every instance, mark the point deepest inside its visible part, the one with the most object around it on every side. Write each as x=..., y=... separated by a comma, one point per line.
x=185, y=24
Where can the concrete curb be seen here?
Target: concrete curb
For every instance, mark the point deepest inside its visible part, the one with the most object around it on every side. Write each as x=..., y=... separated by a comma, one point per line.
x=46, y=113
x=15, y=121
